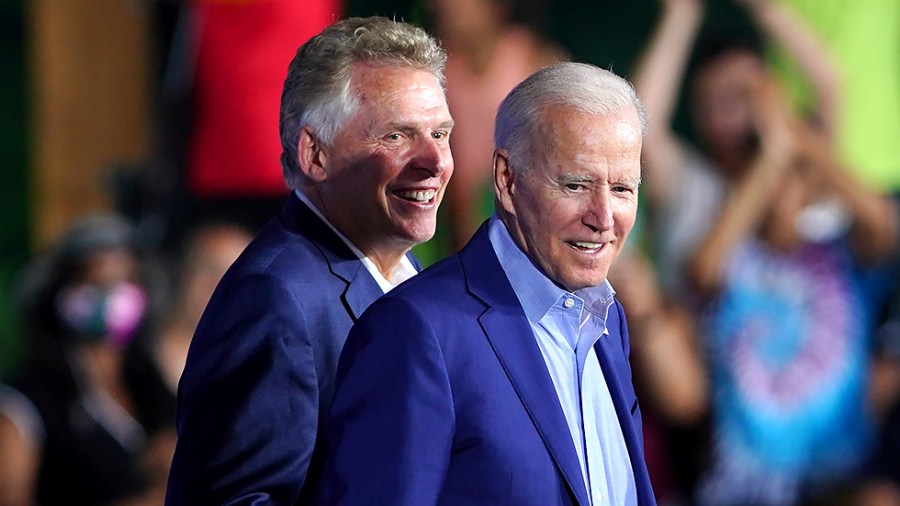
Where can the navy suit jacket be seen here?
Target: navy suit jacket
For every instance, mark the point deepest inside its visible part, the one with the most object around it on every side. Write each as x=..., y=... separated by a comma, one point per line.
x=260, y=369
x=443, y=397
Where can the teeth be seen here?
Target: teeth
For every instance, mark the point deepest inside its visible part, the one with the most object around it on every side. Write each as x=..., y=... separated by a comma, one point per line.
x=417, y=195
x=587, y=245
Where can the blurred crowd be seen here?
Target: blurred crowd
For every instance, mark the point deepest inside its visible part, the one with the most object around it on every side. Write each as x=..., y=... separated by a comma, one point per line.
x=762, y=294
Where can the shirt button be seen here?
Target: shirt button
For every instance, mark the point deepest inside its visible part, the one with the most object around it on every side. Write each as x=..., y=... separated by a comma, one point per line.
x=569, y=303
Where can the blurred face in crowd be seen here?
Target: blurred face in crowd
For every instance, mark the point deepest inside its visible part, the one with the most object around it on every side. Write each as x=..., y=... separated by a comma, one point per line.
x=573, y=207
x=210, y=254
x=104, y=305
x=721, y=102
x=109, y=267
x=384, y=175
x=468, y=20
x=803, y=211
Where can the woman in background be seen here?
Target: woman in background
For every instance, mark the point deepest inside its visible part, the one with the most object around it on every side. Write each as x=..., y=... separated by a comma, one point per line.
x=71, y=415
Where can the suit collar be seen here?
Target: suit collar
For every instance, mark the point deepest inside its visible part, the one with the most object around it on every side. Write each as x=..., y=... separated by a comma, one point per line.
x=507, y=328
x=534, y=290
x=343, y=263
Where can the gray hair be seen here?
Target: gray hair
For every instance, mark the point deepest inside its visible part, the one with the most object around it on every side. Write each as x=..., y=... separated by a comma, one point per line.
x=317, y=90
x=586, y=88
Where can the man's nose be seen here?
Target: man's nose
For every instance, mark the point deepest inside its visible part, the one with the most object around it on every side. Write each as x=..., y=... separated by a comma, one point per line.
x=432, y=155
x=599, y=215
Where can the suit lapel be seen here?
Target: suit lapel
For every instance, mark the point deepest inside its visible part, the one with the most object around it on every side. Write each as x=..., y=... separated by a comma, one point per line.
x=605, y=351
x=361, y=288
x=512, y=339
x=608, y=347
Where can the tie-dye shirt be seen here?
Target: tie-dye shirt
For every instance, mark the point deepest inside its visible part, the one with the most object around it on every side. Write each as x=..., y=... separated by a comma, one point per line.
x=788, y=338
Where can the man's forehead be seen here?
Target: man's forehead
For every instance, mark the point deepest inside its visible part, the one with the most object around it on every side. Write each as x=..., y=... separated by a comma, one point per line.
x=589, y=146
x=364, y=74
x=562, y=115
x=575, y=128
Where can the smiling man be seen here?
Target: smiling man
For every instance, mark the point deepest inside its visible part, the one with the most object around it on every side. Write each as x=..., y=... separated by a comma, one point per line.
x=500, y=376
x=365, y=133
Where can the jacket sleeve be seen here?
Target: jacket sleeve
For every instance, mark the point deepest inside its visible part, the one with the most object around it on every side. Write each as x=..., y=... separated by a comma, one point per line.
x=391, y=424
x=248, y=401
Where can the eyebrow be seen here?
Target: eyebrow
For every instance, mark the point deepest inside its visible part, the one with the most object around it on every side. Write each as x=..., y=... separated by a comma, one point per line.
x=577, y=178
x=633, y=182
x=574, y=178
x=407, y=127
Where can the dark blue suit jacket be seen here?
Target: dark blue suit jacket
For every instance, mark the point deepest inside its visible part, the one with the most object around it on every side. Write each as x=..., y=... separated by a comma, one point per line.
x=443, y=397
x=260, y=370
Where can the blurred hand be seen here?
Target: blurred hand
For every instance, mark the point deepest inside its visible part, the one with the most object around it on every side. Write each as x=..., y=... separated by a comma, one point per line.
x=775, y=124
x=636, y=286
x=813, y=146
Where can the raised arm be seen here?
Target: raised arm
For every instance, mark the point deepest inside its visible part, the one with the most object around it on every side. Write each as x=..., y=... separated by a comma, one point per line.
x=665, y=355
x=876, y=232
x=787, y=30
x=657, y=79
x=745, y=209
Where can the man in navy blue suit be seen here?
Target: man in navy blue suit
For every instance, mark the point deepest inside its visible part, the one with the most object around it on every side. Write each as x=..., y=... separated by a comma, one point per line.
x=365, y=134
x=500, y=376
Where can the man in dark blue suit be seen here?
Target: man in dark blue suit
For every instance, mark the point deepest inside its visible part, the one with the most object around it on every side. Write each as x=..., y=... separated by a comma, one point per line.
x=365, y=133
x=500, y=376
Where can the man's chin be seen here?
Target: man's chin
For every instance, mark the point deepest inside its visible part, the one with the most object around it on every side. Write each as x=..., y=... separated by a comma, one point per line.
x=417, y=230
x=414, y=236
x=582, y=281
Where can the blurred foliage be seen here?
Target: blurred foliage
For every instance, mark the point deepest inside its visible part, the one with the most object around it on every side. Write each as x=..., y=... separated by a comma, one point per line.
x=863, y=39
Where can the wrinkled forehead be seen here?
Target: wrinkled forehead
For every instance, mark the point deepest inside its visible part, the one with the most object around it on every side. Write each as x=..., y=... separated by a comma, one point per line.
x=561, y=126
x=398, y=95
x=363, y=75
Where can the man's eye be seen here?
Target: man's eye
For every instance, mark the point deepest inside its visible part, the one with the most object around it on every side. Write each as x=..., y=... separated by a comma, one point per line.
x=440, y=134
x=575, y=187
x=623, y=189
x=394, y=136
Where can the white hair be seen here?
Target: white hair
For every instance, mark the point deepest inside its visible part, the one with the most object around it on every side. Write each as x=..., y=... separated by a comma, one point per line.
x=317, y=92
x=584, y=87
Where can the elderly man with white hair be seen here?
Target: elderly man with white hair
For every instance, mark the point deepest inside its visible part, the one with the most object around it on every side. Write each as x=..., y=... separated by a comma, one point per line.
x=500, y=376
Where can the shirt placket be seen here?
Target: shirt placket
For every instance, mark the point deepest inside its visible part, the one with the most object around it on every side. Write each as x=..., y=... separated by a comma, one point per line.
x=589, y=373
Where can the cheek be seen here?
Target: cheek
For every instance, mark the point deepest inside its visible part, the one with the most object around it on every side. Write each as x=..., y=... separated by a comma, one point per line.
x=525, y=202
x=537, y=227
x=369, y=181
x=556, y=220
x=449, y=165
x=533, y=226
x=625, y=217
x=564, y=217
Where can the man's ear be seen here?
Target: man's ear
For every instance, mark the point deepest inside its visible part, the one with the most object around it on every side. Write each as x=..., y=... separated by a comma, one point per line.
x=504, y=181
x=312, y=156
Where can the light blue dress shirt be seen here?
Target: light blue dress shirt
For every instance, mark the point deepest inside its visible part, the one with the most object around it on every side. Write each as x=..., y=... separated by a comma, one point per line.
x=566, y=326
